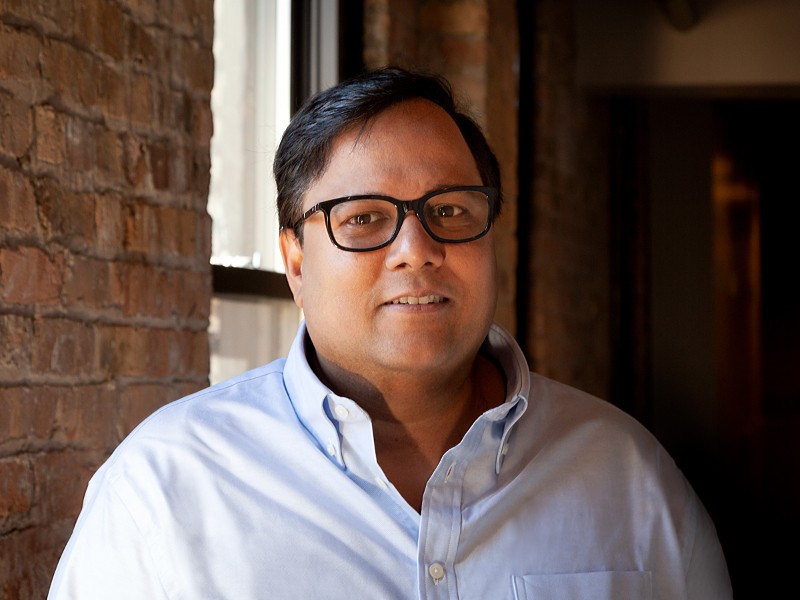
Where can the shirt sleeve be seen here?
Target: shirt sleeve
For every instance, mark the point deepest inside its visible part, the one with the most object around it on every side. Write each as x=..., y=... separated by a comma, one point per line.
x=707, y=576
x=107, y=555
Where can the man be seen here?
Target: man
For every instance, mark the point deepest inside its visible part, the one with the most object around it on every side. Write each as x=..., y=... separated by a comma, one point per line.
x=403, y=449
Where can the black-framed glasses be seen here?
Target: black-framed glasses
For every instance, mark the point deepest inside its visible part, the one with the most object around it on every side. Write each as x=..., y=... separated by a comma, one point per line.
x=361, y=223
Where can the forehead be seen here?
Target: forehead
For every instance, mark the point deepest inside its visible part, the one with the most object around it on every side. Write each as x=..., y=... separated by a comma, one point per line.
x=411, y=147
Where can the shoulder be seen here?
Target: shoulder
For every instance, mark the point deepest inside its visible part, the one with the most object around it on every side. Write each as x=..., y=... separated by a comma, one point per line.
x=592, y=437
x=224, y=413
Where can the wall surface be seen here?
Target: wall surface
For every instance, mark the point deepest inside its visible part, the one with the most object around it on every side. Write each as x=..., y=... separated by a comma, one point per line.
x=729, y=45
x=105, y=128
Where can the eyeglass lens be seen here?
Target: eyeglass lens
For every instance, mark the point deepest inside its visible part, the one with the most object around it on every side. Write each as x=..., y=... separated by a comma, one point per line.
x=452, y=216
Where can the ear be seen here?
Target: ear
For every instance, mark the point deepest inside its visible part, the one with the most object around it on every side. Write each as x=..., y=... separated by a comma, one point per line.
x=292, y=254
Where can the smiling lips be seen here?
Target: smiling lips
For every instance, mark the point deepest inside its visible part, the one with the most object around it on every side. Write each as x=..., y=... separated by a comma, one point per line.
x=418, y=300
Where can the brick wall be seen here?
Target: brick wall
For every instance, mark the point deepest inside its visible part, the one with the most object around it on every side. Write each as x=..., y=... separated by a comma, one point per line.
x=105, y=127
x=568, y=299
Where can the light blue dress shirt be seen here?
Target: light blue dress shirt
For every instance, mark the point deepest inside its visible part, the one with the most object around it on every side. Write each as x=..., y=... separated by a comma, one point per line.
x=267, y=486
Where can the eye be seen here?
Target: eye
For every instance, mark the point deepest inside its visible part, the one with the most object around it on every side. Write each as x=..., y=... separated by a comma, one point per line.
x=369, y=218
x=447, y=210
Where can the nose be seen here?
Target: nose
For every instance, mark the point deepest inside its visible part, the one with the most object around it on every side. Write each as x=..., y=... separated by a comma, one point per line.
x=413, y=247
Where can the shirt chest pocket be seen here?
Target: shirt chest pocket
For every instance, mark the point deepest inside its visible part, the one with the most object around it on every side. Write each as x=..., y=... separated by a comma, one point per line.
x=602, y=585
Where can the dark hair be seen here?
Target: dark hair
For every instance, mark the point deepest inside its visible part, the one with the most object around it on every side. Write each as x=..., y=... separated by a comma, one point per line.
x=304, y=151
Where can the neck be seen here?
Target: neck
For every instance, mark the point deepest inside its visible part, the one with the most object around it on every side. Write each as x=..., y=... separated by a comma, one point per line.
x=416, y=419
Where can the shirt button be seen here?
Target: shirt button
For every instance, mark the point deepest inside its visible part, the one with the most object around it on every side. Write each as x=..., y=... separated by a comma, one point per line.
x=436, y=571
x=341, y=411
x=331, y=449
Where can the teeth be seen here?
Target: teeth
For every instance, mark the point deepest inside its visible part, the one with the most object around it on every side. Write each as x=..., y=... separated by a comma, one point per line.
x=418, y=300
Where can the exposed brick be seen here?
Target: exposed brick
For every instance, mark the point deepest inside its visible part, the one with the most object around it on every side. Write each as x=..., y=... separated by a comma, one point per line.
x=202, y=123
x=193, y=65
x=111, y=38
x=134, y=160
x=80, y=144
x=88, y=284
x=105, y=128
x=50, y=138
x=463, y=17
x=87, y=21
x=64, y=65
x=143, y=109
x=142, y=229
x=144, y=10
x=191, y=288
x=138, y=282
x=110, y=157
x=68, y=472
x=137, y=401
x=16, y=126
x=63, y=347
x=111, y=92
x=18, y=205
x=16, y=487
x=110, y=224
x=28, y=276
x=54, y=16
x=30, y=415
x=15, y=346
x=145, y=46
x=19, y=53
x=68, y=216
x=83, y=416
x=159, y=153
x=201, y=178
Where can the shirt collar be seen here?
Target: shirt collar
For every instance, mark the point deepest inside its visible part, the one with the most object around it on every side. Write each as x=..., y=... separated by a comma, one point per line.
x=309, y=395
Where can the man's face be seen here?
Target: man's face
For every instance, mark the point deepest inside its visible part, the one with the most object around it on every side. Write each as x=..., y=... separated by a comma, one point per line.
x=350, y=299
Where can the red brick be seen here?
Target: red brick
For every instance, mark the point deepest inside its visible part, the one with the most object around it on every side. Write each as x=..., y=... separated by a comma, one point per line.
x=137, y=401
x=145, y=290
x=133, y=157
x=50, y=139
x=111, y=93
x=110, y=157
x=134, y=351
x=80, y=144
x=16, y=487
x=63, y=347
x=83, y=415
x=69, y=217
x=29, y=276
x=142, y=229
x=111, y=38
x=463, y=17
x=18, y=208
x=143, y=109
x=19, y=53
x=31, y=415
x=87, y=21
x=110, y=224
x=64, y=65
x=160, y=153
x=87, y=283
x=16, y=126
x=145, y=46
x=193, y=65
x=144, y=10
x=202, y=123
x=61, y=479
x=15, y=347
x=189, y=297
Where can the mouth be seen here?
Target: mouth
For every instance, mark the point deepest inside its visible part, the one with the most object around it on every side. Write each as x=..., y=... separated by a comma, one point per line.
x=430, y=299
